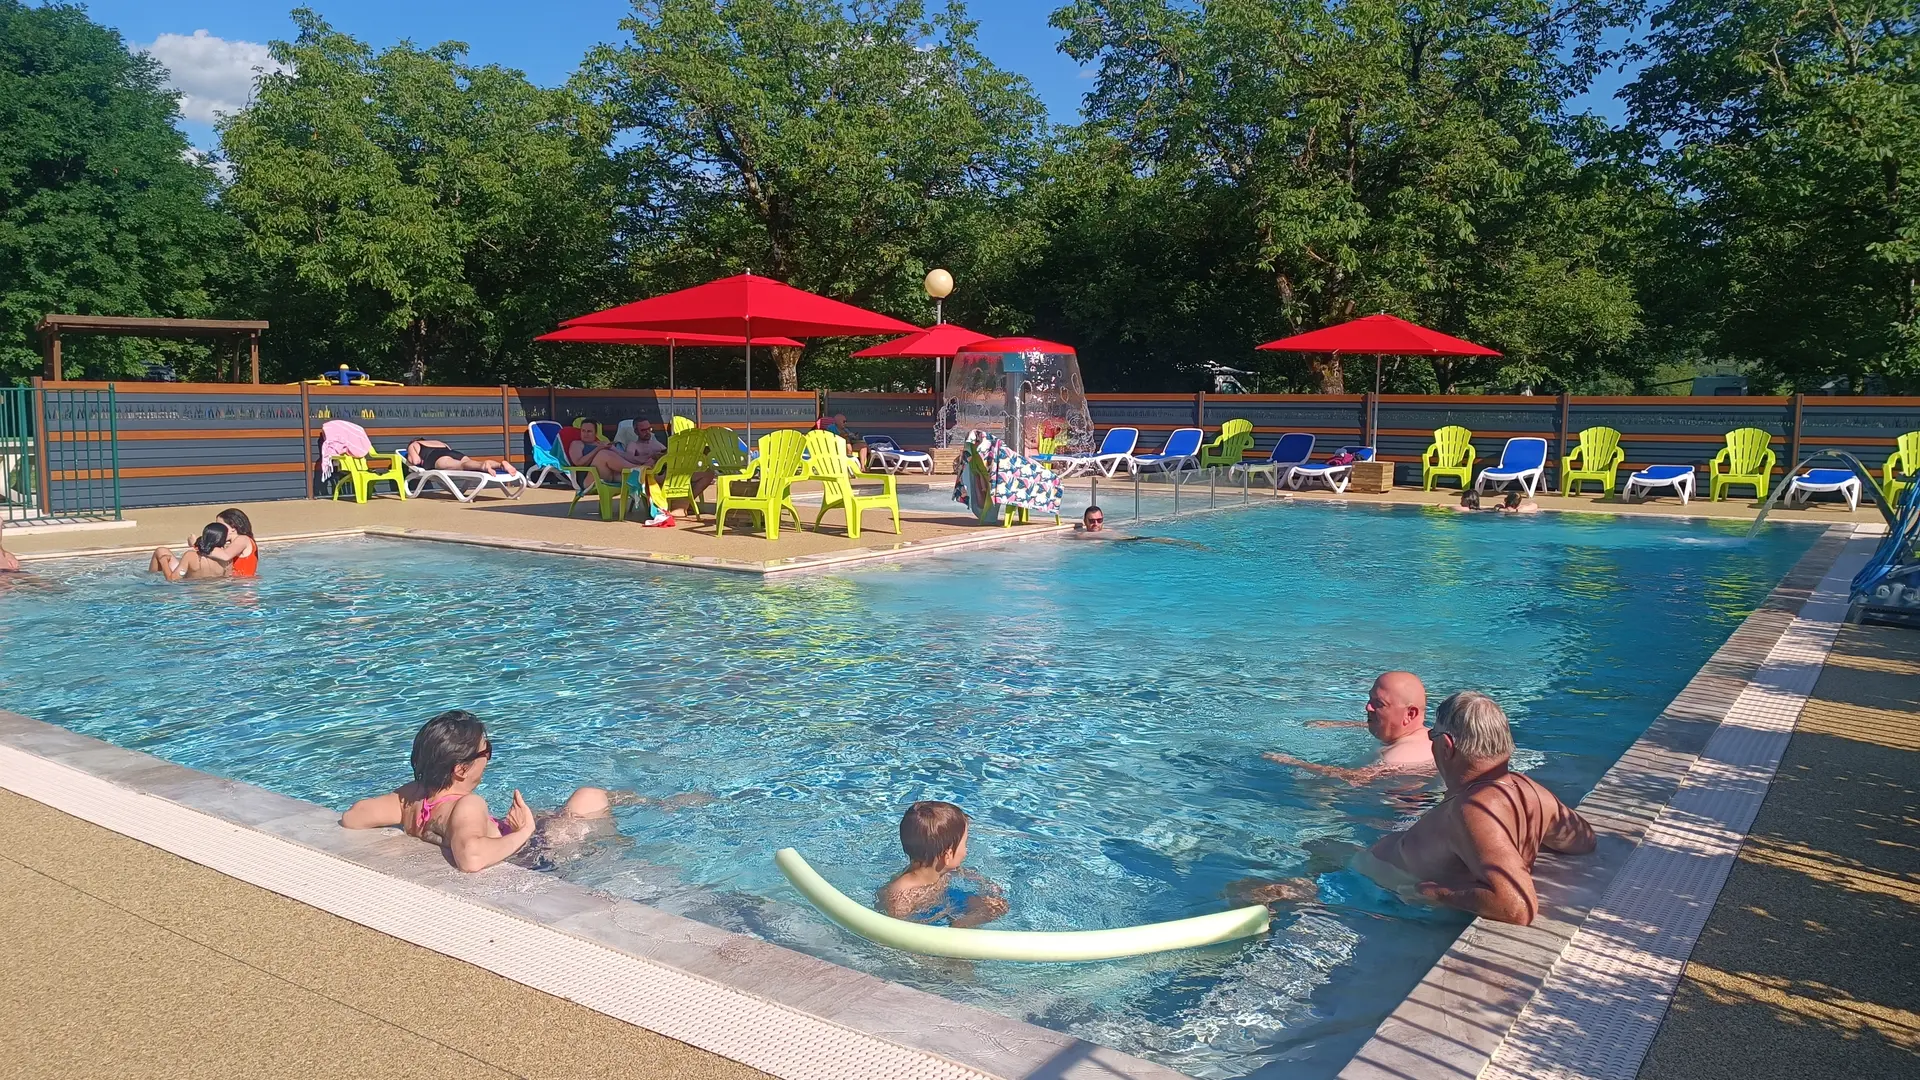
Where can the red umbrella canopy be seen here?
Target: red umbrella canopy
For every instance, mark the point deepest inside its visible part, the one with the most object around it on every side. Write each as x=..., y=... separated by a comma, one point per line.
x=1018, y=345
x=745, y=304
x=934, y=342
x=607, y=335
x=1381, y=334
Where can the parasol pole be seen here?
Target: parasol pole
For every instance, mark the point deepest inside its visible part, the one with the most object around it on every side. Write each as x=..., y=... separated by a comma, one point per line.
x=749, y=322
x=1373, y=425
x=673, y=400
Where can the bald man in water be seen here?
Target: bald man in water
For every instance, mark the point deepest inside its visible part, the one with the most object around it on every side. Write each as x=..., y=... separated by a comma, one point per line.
x=1397, y=716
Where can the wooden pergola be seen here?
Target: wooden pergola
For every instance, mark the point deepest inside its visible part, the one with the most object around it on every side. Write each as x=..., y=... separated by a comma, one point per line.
x=52, y=327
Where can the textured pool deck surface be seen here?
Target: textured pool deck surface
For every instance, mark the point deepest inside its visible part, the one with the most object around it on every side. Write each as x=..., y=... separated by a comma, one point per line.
x=1805, y=960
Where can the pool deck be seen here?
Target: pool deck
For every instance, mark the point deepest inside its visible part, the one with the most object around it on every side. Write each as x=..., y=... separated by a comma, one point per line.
x=1803, y=960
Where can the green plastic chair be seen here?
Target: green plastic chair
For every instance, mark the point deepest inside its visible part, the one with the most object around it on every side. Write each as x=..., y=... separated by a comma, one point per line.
x=1230, y=446
x=361, y=473
x=771, y=479
x=670, y=480
x=1597, y=458
x=1451, y=454
x=1748, y=460
x=680, y=424
x=828, y=463
x=1897, y=475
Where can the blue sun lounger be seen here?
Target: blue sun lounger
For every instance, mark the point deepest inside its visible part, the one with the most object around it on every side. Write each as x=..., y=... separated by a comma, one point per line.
x=1115, y=450
x=1675, y=478
x=1334, y=476
x=1295, y=448
x=1522, y=461
x=1182, y=450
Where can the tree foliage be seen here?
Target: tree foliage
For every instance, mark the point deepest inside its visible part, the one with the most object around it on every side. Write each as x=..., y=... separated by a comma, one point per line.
x=102, y=210
x=416, y=214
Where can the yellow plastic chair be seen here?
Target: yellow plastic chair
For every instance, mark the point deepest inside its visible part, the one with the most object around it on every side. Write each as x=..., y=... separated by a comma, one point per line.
x=1747, y=460
x=1451, y=454
x=1897, y=475
x=670, y=479
x=1230, y=446
x=771, y=479
x=680, y=424
x=827, y=462
x=1597, y=458
x=613, y=497
x=364, y=472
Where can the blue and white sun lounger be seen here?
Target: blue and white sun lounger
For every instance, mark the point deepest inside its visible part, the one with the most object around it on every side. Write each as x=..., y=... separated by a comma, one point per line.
x=1182, y=450
x=1522, y=461
x=1294, y=448
x=1803, y=487
x=550, y=458
x=1336, y=477
x=1677, y=478
x=886, y=455
x=1115, y=450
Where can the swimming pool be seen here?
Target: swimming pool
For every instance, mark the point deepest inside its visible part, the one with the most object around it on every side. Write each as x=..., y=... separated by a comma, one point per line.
x=1099, y=709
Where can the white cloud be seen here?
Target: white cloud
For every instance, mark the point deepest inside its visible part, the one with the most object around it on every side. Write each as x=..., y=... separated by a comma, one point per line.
x=211, y=74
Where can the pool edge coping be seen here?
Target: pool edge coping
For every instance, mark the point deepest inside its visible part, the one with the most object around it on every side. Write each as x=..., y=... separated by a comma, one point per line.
x=1455, y=1020
x=890, y=1017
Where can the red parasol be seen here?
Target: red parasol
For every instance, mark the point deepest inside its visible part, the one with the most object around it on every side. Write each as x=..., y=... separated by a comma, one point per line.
x=1381, y=335
x=935, y=342
x=738, y=304
x=609, y=335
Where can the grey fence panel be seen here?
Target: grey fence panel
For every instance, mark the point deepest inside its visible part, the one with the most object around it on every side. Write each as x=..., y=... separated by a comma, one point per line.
x=1869, y=432
x=391, y=414
x=1147, y=414
x=1686, y=416
x=147, y=410
x=770, y=412
x=139, y=491
x=611, y=408
x=907, y=417
x=201, y=453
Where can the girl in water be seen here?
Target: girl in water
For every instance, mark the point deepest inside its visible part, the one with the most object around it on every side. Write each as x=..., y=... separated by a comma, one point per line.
x=225, y=548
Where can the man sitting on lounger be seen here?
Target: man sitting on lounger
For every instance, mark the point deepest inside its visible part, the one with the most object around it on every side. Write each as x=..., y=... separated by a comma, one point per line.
x=1397, y=716
x=432, y=454
x=1475, y=850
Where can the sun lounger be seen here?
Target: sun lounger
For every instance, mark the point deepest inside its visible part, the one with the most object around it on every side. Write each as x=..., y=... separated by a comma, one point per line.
x=1676, y=478
x=1336, y=477
x=1294, y=448
x=886, y=455
x=1181, y=451
x=512, y=484
x=1115, y=450
x=550, y=458
x=1522, y=461
x=1815, y=481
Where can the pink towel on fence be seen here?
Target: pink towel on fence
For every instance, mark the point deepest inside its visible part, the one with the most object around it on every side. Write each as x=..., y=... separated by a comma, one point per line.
x=341, y=437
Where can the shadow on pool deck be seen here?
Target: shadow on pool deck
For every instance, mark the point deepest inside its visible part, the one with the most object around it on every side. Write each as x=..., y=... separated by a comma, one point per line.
x=1810, y=963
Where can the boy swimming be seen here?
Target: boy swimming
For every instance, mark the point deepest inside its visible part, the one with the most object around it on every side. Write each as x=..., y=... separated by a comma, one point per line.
x=934, y=835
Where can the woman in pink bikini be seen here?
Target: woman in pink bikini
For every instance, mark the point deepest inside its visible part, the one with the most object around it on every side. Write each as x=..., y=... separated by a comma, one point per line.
x=450, y=756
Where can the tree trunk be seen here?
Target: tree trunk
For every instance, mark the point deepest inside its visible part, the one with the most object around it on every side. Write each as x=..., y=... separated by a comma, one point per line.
x=786, y=359
x=417, y=365
x=1332, y=376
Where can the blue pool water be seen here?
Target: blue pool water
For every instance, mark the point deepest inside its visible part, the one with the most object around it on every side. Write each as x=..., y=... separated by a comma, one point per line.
x=1099, y=709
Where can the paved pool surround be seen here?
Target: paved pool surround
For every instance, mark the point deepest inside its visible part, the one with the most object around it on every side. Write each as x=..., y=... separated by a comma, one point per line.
x=853, y=1024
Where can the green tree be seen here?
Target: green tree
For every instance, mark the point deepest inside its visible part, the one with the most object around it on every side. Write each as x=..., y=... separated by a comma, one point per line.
x=844, y=149
x=416, y=214
x=102, y=210
x=1794, y=130
x=1376, y=155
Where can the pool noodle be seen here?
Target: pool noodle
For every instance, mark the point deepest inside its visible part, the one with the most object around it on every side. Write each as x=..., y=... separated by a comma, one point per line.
x=1028, y=945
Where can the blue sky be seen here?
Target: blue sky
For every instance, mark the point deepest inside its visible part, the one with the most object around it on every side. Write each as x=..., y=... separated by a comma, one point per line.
x=545, y=40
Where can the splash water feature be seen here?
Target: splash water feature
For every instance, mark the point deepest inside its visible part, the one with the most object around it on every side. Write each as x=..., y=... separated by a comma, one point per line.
x=1023, y=390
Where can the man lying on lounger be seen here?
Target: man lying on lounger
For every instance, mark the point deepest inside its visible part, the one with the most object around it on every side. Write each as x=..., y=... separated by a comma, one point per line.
x=1397, y=716
x=1475, y=850
x=432, y=454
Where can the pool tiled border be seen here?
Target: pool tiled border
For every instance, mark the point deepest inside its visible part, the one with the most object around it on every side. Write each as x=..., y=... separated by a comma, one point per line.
x=1469, y=1003
x=761, y=1004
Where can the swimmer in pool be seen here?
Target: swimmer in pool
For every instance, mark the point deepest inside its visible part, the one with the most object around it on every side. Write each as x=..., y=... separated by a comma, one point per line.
x=8, y=563
x=934, y=835
x=209, y=555
x=1093, y=526
x=1475, y=850
x=450, y=755
x=1397, y=717
x=1514, y=504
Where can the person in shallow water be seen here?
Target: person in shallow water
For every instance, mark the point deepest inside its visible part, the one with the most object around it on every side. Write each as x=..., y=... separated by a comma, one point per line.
x=1093, y=526
x=8, y=564
x=1515, y=504
x=1397, y=716
x=934, y=835
x=1475, y=850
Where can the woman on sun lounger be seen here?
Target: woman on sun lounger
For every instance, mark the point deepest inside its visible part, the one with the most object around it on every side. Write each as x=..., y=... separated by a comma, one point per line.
x=431, y=454
x=606, y=458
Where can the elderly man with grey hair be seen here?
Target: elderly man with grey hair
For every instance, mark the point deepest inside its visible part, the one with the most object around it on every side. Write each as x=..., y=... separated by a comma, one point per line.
x=1475, y=850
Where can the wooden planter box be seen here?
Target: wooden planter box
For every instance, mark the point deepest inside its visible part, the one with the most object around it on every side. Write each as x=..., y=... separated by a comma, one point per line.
x=1372, y=477
x=946, y=460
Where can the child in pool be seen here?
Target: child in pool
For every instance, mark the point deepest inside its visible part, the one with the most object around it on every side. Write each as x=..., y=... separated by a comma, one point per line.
x=934, y=835
x=439, y=806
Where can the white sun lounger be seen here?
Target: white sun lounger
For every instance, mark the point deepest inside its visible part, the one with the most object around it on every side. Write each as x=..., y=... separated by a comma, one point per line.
x=1295, y=448
x=1814, y=481
x=886, y=455
x=1522, y=461
x=1676, y=478
x=512, y=485
x=1115, y=450
x=1336, y=477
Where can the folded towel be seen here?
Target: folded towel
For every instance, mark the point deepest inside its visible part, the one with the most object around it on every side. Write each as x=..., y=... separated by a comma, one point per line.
x=341, y=437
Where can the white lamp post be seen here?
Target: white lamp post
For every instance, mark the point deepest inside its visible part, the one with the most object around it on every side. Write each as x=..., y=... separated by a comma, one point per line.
x=939, y=286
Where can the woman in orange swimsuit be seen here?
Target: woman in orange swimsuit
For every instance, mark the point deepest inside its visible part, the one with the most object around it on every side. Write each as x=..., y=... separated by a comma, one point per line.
x=439, y=806
x=241, y=554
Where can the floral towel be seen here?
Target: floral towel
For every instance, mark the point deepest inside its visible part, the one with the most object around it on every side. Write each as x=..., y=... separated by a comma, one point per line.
x=1012, y=480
